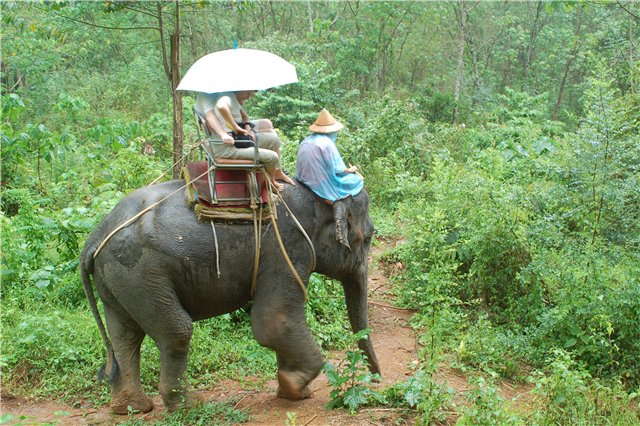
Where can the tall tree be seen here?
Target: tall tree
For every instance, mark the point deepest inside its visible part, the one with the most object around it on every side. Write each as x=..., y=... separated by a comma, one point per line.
x=571, y=57
x=461, y=10
x=172, y=71
x=170, y=55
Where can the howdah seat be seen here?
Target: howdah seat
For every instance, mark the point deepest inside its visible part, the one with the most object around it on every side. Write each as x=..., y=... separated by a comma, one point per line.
x=218, y=168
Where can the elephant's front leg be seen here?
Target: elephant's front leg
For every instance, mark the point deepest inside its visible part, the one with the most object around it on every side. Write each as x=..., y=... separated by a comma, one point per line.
x=278, y=322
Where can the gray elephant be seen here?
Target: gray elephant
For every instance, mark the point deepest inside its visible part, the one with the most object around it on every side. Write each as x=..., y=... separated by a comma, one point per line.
x=158, y=274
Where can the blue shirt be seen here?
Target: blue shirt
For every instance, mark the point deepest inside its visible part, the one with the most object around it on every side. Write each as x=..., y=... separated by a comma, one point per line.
x=321, y=168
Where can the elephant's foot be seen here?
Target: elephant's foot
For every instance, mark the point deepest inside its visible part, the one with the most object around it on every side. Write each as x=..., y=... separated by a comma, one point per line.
x=292, y=386
x=177, y=401
x=126, y=402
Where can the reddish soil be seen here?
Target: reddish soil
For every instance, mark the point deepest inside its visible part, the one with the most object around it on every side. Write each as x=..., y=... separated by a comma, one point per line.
x=396, y=348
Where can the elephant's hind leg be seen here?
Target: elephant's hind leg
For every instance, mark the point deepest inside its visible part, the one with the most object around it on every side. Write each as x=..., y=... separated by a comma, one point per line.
x=281, y=326
x=126, y=388
x=172, y=334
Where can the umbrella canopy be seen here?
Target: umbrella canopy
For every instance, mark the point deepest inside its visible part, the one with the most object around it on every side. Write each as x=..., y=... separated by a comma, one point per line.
x=238, y=69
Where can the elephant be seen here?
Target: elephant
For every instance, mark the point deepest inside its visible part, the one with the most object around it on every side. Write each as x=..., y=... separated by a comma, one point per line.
x=158, y=274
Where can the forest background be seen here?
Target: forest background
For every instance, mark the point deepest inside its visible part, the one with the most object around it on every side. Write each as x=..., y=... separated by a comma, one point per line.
x=500, y=144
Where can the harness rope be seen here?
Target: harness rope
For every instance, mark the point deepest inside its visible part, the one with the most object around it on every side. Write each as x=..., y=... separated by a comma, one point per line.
x=256, y=260
x=304, y=233
x=284, y=251
x=154, y=205
x=215, y=242
x=197, y=144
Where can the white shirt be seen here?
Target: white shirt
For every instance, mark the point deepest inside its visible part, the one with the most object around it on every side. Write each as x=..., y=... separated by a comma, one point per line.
x=206, y=102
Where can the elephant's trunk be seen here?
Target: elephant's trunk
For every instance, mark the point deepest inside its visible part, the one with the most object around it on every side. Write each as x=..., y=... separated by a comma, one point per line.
x=355, y=292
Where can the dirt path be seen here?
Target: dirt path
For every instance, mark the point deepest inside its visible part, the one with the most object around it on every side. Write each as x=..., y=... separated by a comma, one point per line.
x=396, y=348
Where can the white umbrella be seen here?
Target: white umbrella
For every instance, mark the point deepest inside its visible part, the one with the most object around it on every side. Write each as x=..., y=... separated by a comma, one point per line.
x=238, y=69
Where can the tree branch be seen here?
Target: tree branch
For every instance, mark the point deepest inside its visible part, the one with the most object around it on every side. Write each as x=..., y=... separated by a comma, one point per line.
x=163, y=43
x=627, y=10
x=144, y=12
x=104, y=26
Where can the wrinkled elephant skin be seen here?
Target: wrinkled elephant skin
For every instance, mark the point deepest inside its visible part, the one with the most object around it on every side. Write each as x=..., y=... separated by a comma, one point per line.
x=158, y=274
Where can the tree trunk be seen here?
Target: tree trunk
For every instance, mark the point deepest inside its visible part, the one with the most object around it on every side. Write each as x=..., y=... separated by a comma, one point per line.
x=462, y=22
x=536, y=27
x=310, y=15
x=567, y=66
x=172, y=70
x=632, y=71
x=177, y=96
x=476, y=68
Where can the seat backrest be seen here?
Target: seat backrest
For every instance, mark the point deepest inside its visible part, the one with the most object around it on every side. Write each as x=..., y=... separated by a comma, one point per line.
x=201, y=123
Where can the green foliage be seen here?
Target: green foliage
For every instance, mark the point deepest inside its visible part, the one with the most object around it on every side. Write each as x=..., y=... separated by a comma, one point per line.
x=208, y=414
x=326, y=313
x=422, y=393
x=211, y=413
x=292, y=417
x=485, y=407
x=351, y=381
x=293, y=107
x=533, y=234
x=568, y=395
x=224, y=347
x=488, y=349
x=436, y=106
x=50, y=352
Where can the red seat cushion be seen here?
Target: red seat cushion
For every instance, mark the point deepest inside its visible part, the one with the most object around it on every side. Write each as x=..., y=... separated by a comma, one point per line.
x=229, y=184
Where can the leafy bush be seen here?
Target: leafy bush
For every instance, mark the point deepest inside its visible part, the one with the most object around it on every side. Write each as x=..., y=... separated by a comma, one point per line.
x=50, y=353
x=486, y=348
x=566, y=394
x=437, y=106
x=534, y=232
x=351, y=379
x=422, y=393
x=485, y=407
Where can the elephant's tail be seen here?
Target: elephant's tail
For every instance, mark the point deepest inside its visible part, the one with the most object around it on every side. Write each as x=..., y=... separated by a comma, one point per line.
x=110, y=367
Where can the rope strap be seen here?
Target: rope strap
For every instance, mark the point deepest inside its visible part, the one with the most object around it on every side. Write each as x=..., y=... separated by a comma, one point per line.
x=284, y=251
x=197, y=144
x=154, y=205
x=304, y=233
x=258, y=239
x=215, y=242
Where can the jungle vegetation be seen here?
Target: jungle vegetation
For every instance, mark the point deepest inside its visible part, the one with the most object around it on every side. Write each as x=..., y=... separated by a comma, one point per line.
x=500, y=144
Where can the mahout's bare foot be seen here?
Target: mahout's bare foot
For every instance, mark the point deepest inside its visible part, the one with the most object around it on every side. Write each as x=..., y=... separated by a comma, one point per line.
x=280, y=175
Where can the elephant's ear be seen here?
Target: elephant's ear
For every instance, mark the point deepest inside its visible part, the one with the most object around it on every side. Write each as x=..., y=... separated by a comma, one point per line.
x=341, y=211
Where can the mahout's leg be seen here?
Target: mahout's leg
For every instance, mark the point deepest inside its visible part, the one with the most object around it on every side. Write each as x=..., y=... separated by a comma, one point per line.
x=278, y=322
x=126, y=338
x=269, y=139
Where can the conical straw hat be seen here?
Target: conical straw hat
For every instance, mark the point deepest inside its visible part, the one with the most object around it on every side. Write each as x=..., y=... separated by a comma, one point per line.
x=326, y=123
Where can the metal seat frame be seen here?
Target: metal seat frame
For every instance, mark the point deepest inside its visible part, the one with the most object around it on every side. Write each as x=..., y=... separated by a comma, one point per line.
x=251, y=167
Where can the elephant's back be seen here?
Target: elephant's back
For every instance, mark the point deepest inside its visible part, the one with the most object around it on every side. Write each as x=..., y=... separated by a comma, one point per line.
x=133, y=204
x=169, y=227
